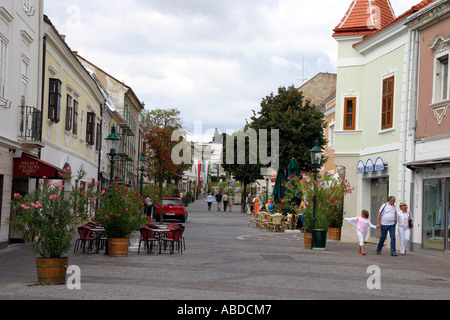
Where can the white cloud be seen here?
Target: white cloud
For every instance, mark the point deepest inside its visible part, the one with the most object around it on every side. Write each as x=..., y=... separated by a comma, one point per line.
x=213, y=60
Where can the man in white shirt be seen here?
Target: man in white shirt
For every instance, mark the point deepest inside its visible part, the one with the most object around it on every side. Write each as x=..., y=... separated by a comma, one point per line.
x=387, y=219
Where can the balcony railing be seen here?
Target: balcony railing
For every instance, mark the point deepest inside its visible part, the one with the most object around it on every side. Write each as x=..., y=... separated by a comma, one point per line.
x=30, y=124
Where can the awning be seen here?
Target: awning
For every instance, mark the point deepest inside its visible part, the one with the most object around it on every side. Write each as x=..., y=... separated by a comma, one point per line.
x=428, y=163
x=32, y=167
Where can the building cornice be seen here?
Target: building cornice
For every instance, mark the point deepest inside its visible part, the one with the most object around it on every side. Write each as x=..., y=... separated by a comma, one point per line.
x=429, y=15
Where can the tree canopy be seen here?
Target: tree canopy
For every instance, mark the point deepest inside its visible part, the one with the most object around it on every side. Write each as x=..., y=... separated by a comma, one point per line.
x=299, y=123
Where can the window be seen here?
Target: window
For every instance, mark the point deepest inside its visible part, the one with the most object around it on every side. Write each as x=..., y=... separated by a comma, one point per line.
x=75, y=118
x=388, y=104
x=442, y=85
x=331, y=136
x=350, y=114
x=54, y=100
x=98, y=140
x=23, y=93
x=3, y=67
x=90, y=128
x=69, y=113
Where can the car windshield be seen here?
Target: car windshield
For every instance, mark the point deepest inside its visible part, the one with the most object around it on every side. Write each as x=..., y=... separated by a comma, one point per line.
x=171, y=202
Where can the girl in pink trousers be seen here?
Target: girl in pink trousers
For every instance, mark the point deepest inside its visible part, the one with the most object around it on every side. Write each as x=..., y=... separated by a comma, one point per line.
x=361, y=224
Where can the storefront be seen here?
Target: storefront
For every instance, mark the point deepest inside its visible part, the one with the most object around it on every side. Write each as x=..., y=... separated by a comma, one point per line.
x=375, y=182
x=433, y=203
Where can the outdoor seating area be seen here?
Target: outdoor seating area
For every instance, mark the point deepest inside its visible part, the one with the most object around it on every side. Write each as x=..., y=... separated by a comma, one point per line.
x=91, y=235
x=154, y=239
x=276, y=222
x=162, y=236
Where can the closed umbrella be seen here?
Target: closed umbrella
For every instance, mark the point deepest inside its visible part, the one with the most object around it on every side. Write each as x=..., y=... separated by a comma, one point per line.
x=294, y=171
x=279, y=189
x=293, y=168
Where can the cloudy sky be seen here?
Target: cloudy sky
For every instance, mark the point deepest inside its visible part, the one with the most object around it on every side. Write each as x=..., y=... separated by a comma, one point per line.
x=214, y=60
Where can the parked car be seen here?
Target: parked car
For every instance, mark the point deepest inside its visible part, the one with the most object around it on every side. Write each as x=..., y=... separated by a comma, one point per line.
x=173, y=209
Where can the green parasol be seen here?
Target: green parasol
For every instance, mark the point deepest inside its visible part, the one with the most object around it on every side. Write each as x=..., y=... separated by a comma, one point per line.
x=279, y=189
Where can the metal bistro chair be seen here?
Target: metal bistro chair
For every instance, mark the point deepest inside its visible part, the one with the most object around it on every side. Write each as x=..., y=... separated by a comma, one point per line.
x=149, y=238
x=174, y=237
x=86, y=235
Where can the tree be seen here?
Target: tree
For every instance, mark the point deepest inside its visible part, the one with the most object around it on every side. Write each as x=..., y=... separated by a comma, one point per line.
x=160, y=126
x=240, y=164
x=299, y=122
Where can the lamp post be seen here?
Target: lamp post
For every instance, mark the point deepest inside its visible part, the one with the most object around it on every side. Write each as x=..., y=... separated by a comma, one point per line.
x=316, y=157
x=115, y=140
x=142, y=161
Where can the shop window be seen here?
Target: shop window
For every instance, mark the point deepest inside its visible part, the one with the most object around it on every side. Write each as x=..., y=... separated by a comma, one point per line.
x=350, y=113
x=434, y=223
x=388, y=104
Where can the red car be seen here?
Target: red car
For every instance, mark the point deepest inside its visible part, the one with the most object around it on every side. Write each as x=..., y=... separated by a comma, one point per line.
x=173, y=209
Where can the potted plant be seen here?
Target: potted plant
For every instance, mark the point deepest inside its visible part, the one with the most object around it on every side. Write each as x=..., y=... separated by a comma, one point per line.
x=120, y=214
x=47, y=218
x=334, y=230
x=329, y=191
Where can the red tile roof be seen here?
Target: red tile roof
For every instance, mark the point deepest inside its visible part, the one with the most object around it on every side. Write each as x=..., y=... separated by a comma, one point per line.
x=367, y=17
x=364, y=16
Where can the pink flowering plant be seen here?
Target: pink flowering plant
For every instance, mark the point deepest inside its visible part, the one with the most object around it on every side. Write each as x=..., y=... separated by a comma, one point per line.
x=330, y=191
x=120, y=212
x=48, y=216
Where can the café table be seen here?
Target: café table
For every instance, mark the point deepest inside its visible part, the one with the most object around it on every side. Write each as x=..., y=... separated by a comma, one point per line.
x=98, y=234
x=161, y=235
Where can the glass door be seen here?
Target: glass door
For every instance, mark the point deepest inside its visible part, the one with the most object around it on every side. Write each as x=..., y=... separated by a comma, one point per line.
x=379, y=193
x=447, y=216
x=434, y=220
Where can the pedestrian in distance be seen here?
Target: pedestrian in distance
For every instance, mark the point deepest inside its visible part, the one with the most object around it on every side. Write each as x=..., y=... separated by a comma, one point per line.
x=405, y=219
x=219, y=200
x=387, y=220
x=361, y=224
x=230, y=202
x=249, y=203
x=209, y=201
x=225, y=202
x=256, y=206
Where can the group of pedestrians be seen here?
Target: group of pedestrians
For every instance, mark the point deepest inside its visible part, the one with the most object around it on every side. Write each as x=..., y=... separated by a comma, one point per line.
x=388, y=219
x=221, y=199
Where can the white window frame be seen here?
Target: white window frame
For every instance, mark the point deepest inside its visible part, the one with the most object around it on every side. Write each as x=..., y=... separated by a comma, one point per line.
x=441, y=95
x=3, y=67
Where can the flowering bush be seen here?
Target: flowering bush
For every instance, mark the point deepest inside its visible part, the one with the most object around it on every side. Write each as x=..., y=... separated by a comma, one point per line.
x=48, y=216
x=120, y=211
x=330, y=191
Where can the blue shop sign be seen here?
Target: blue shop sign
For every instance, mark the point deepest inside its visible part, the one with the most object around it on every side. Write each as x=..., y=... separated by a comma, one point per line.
x=379, y=165
x=369, y=166
x=361, y=168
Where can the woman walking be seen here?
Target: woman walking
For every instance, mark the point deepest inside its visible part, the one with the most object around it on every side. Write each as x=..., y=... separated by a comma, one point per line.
x=404, y=219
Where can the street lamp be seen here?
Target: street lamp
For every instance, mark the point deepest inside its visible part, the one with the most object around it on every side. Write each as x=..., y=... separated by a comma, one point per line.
x=316, y=157
x=142, y=161
x=115, y=140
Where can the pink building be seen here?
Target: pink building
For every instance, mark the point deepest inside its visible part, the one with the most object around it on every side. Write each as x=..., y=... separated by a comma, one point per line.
x=430, y=123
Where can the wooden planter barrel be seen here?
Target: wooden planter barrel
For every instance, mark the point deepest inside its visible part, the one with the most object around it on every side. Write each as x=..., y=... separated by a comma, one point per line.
x=334, y=234
x=52, y=271
x=307, y=240
x=118, y=247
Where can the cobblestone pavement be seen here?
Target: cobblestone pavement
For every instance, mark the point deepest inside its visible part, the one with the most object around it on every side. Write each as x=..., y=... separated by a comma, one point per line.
x=227, y=260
